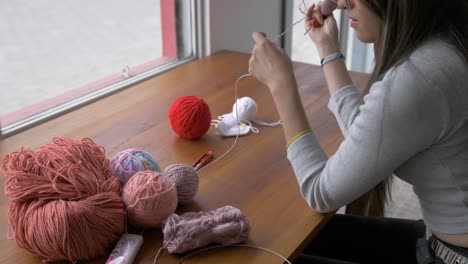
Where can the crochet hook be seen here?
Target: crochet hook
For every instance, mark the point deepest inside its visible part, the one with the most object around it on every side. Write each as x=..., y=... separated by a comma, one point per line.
x=203, y=160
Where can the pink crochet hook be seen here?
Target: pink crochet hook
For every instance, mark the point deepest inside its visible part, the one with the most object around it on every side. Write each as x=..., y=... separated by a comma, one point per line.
x=203, y=160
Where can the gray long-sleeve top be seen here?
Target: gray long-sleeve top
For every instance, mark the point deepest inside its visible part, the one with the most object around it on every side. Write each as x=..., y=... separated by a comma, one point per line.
x=414, y=124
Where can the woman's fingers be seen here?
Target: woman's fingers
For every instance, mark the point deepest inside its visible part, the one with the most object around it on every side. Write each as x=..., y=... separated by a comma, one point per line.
x=314, y=17
x=310, y=12
x=342, y=4
x=318, y=13
x=268, y=63
x=259, y=37
x=311, y=21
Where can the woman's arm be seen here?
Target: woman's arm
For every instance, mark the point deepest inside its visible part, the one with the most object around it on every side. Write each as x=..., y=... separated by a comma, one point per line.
x=271, y=66
x=345, y=99
x=400, y=118
x=325, y=38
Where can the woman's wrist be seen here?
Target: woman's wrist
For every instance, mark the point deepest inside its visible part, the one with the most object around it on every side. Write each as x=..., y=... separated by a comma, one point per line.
x=284, y=88
x=326, y=49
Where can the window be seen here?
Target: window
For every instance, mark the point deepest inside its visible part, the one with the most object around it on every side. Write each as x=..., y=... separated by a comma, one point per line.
x=58, y=55
x=301, y=47
x=359, y=56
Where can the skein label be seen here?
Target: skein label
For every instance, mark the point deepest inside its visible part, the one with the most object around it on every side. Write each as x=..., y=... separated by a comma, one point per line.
x=126, y=249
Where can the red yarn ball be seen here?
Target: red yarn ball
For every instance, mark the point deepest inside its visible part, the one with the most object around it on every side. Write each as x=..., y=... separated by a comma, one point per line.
x=190, y=117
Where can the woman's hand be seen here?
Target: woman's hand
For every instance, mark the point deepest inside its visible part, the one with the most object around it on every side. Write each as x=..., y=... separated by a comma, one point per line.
x=270, y=64
x=325, y=36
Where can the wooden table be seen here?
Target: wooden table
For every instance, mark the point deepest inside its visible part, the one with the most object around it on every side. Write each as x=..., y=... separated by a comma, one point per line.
x=255, y=176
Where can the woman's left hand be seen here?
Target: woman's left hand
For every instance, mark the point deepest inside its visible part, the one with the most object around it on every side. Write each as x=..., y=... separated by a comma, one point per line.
x=325, y=36
x=270, y=64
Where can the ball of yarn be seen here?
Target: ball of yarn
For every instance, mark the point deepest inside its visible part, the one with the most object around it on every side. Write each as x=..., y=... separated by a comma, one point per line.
x=126, y=163
x=150, y=198
x=64, y=203
x=246, y=109
x=190, y=117
x=226, y=225
x=185, y=179
x=328, y=7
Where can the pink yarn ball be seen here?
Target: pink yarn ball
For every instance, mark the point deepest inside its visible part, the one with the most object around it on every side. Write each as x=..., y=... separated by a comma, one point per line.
x=185, y=179
x=150, y=198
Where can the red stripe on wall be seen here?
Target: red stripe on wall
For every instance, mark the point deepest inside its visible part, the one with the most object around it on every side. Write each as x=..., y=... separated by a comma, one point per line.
x=168, y=28
x=44, y=105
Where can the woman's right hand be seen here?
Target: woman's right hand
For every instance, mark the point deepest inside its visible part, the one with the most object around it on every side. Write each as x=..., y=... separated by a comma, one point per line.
x=325, y=36
x=271, y=65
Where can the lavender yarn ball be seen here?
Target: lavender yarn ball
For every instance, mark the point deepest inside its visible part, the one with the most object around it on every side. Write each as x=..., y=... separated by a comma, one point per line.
x=128, y=162
x=185, y=179
x=328, y=7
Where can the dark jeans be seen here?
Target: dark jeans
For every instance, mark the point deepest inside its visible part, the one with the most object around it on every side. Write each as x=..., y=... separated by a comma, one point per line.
x=348, y=239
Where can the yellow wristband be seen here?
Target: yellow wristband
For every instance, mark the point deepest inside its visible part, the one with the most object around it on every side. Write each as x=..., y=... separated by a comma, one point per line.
x=297, y=136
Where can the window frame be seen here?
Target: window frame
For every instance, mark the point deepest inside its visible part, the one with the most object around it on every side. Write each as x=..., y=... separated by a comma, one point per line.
x=359, y=56
x=169, y=18
x=288, y=15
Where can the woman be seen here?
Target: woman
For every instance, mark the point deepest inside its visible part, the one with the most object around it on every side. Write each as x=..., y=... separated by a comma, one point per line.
x=413, y=122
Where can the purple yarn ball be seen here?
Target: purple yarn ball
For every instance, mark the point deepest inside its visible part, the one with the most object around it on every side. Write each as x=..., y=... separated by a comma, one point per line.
x=185, y=179
x=328, y=7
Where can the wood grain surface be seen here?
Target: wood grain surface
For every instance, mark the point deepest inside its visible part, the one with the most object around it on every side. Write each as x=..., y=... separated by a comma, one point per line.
x=255, y=176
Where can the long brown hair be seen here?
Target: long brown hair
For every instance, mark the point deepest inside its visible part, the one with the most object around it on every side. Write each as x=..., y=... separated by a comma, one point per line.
x=405, y=26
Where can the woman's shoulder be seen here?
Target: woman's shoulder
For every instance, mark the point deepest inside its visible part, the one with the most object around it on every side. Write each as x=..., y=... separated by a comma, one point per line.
x=435, y=63
x=434, y=77
x=437, y=51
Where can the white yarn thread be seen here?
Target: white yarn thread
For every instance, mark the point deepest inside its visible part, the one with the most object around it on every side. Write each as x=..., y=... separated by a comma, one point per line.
x=246, y=246
x=263, y=123
x=236, y=111
x=238, y=128
x=235, y=99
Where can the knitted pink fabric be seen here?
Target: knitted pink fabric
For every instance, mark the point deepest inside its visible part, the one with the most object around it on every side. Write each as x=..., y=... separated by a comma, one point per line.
x=226, y=225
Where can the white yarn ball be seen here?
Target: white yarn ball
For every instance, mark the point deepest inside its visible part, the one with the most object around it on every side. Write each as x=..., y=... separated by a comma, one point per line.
x=246, y=108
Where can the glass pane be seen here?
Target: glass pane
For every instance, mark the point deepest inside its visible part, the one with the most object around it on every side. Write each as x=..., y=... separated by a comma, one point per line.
x=55, y=51
x=303, y=48
x=360, y=55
